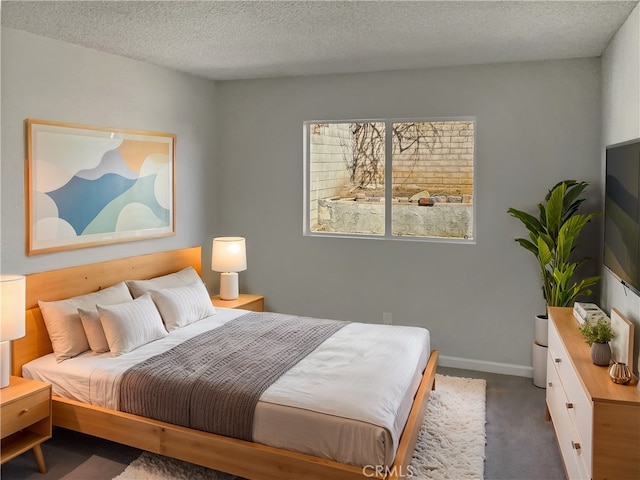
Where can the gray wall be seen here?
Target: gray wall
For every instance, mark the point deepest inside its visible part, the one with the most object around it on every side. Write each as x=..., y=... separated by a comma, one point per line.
x=621, y=122
x=537, y=123
x=52, y=80
x=239, y=172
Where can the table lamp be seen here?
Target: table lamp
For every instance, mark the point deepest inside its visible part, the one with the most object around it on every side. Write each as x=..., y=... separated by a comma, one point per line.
x=12, y=312
x=228, y=256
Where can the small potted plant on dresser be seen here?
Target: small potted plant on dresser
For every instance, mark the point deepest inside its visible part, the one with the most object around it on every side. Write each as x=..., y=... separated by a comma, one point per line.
x=552, y=238
x=597, y=332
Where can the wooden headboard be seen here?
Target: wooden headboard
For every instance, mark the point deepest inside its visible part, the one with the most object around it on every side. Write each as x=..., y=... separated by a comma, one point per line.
x=81, y=279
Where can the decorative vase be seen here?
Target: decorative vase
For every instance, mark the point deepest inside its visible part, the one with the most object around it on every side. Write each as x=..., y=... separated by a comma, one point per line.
x=620, y=373
x=600, y=354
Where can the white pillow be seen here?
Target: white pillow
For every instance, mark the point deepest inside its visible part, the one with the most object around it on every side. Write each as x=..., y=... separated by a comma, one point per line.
x=63, y=321
x=178, y=279
x=130, y=325
x=93, y=330
x=180, y=306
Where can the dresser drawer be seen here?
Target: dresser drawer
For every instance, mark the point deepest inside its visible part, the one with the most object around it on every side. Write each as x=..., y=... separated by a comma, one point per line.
x=581, y=415
x=577, y=404
x=556, y=397
x=571, y=447
x=20, y=414
x=572, y=454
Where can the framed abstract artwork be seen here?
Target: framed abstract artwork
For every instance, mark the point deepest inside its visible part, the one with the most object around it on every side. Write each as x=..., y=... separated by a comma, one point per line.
x=90, y=186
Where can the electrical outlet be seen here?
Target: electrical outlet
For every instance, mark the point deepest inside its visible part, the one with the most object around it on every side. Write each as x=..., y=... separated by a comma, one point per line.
x=387, y=318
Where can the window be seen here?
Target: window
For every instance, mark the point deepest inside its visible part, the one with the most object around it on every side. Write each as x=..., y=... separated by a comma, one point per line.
x=430, y=169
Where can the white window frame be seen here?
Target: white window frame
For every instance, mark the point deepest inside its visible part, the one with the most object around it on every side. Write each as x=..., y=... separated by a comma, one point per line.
x=388, y=235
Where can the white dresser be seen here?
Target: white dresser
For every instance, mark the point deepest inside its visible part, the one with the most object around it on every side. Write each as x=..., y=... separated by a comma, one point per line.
x=597, y=422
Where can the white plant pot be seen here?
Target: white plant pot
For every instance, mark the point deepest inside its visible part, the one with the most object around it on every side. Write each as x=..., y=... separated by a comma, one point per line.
x=542, y=330
x=539, y=361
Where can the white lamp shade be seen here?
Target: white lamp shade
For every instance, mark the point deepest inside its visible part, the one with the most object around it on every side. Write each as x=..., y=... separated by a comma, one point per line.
x=228, y=254
x=12, y=307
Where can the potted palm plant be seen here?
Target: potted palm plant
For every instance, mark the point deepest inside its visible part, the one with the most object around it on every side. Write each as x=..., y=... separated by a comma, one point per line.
x=552, y=238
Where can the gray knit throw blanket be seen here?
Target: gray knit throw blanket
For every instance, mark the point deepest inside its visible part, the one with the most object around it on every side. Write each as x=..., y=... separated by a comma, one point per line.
x=213, y=382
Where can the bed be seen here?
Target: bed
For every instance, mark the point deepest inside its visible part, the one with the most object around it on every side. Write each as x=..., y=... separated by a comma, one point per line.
x=249, y=459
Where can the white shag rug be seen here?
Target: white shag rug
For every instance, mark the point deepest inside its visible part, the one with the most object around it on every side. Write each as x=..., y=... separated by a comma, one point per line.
x=450, y=446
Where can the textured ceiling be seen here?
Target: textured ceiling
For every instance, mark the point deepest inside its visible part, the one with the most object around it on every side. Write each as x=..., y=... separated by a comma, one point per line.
x=241, y=39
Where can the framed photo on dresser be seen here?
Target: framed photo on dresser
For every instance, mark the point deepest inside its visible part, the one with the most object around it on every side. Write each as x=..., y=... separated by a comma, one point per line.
x=622, y=343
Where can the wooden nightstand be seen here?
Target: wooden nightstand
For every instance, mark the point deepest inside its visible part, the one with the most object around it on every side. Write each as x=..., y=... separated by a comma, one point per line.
x=25, y=408
x=244, y=301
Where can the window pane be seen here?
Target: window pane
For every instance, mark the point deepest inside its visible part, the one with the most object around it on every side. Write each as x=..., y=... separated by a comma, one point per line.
x=346, y=178
x=433, y=179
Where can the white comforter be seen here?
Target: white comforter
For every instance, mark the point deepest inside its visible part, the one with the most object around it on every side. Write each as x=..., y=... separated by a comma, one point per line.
x=348, y=400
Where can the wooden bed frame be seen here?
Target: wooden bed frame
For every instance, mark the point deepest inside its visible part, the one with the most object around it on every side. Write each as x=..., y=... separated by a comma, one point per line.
x=242, y=458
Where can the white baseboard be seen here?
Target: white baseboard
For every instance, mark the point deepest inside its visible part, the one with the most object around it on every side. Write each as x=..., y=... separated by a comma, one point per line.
x=484, y=366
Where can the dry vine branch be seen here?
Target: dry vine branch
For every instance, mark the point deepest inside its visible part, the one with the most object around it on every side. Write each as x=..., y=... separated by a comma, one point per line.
x=366, y=162
x=365, y=158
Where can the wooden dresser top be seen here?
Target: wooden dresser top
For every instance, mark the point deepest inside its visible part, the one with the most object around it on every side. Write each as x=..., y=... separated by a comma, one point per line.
x=595, y=379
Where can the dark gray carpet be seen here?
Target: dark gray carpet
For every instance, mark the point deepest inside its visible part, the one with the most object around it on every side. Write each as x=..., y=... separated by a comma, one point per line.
x=95, y=464
x=520, y=444
x=67, y=451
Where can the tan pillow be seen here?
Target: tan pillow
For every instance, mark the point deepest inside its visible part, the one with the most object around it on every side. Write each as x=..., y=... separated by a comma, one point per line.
x=180, y=306
x=178, y=279
x=63, y=320
x=130, y=325
x=93, y=330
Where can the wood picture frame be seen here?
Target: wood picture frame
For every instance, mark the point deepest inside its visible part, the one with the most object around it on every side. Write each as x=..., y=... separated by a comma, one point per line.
x=622, y=342
x=88, y=186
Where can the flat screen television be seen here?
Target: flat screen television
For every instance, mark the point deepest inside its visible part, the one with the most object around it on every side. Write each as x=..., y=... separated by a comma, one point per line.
x=622, y=213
